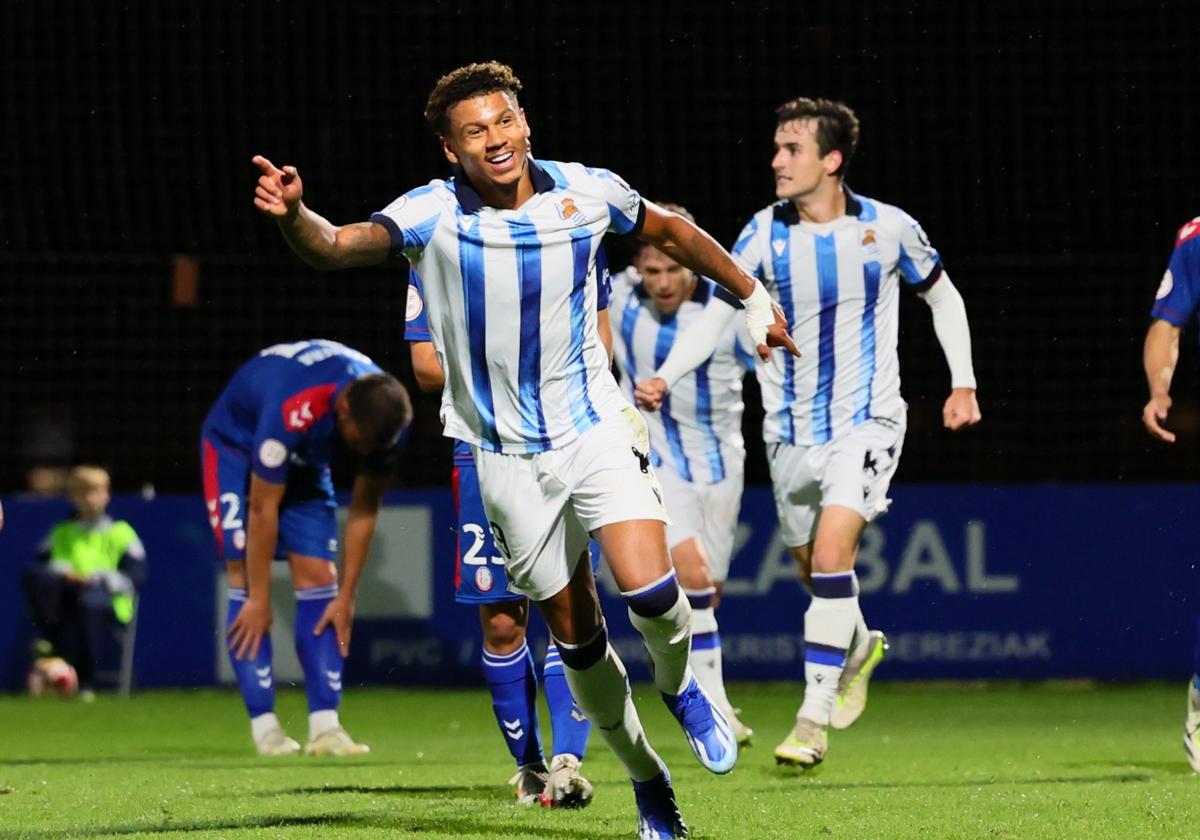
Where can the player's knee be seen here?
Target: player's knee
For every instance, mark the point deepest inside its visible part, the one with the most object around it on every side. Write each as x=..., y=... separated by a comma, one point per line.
x=691, y=566
x=831, y=556
x=502, y=632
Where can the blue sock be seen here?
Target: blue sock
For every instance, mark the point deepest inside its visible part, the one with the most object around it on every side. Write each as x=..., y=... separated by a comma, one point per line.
x=570, y=727
x=319, y=655
x=513, y=684
x=254, y=677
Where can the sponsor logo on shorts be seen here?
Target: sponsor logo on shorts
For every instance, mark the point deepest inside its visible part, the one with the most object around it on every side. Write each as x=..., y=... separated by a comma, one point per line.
x=333, y=545
x=272, y=453
x=239, y=539
x=483, y=579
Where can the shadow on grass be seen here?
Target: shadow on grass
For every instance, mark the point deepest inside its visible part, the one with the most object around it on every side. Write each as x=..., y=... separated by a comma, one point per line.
x=1119, y=778
x=406, y=826
x=1174, y=768
x=452, y=791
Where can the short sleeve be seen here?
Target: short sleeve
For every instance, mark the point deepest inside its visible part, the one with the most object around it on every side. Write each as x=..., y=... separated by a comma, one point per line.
x=919, y=262
x=287, y=416
x=626, y=211
x=1179, y=291
x=412, y=218
x=747, y=251
x=128, y=541
x=416, y=321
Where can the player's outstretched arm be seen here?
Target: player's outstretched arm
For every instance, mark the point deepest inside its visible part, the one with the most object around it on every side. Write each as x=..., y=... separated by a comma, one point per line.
x=691, y=348
x=961, y=408
x=689, y=245
x=365, y=499
x=253, y=622
x=316, y=240
x=1160, y=354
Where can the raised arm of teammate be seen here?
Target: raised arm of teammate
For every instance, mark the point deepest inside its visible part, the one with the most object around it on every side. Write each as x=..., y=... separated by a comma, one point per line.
x=316, y=240
x=689, y=245
x=961, y=408
x=1160, y=354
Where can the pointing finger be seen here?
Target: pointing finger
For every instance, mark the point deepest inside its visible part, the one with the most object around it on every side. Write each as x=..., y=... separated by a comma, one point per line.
x=265, y=165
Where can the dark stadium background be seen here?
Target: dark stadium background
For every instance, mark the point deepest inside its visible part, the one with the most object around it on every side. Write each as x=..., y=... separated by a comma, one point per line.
x=1050, y=150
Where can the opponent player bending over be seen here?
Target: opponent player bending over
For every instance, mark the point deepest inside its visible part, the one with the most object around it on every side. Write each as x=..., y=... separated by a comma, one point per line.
x=835, y=419
x=265, y=450
x=480, y=578
x=1175, y=304
x=695, y=439
x=506, y=251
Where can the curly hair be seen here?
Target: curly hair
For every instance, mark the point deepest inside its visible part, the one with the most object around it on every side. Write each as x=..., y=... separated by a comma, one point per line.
x=464, y=83
x=837, y=125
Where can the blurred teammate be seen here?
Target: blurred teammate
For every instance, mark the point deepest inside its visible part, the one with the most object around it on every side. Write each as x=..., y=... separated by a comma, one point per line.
x=265, y=450
x=835, y=420
x=695, y=433
x=480, y=578
x=1175, y=305
x=506, y=252
x=80, y=586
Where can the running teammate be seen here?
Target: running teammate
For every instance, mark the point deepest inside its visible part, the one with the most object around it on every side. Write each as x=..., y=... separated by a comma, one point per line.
x=834, y=418
x=695, y=433
x=1175, y=304
x=480, y=579
x=265, y=451
x=506, y=252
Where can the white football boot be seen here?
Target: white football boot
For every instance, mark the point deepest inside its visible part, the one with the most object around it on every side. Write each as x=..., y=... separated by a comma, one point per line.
x=565, y=786
x=335, y=741
x=276, y=742
x=851, y=698
x=530, y=780
x=805, y=746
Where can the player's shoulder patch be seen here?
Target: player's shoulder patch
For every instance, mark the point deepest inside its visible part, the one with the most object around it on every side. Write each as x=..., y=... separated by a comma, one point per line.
x=303, y=410
x=1189, y=231
x=414, y=306
x=272, y=453
x=1165, y=287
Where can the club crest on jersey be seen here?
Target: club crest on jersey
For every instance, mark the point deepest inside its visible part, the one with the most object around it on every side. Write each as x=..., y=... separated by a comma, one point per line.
x=303, y=410
x=483, y=579
x=870, y=246
x=568, y=212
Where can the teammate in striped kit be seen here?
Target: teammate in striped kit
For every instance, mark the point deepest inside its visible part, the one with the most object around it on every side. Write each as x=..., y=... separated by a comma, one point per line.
x=265, y=450
x=506, y=252
x=481, y=579
x=835, y=420
x=695, y=433
x=1175, y=304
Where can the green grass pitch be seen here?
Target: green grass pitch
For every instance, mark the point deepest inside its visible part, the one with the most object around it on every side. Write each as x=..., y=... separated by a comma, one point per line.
x=1009, y=761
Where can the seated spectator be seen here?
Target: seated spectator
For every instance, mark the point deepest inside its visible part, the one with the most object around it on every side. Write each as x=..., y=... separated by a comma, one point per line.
x=80, y=587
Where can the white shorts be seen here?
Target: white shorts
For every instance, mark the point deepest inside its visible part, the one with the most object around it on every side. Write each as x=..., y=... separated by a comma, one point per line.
x=543, y=506
x=853, y=470
x=708, y=512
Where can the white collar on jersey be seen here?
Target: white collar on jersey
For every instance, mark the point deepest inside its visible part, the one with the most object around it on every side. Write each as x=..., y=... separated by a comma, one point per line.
x=469, y=200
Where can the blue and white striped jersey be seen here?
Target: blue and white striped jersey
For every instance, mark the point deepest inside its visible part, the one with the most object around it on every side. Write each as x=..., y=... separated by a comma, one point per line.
x=511, y=299
x=838, y=285
x=698, y=431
